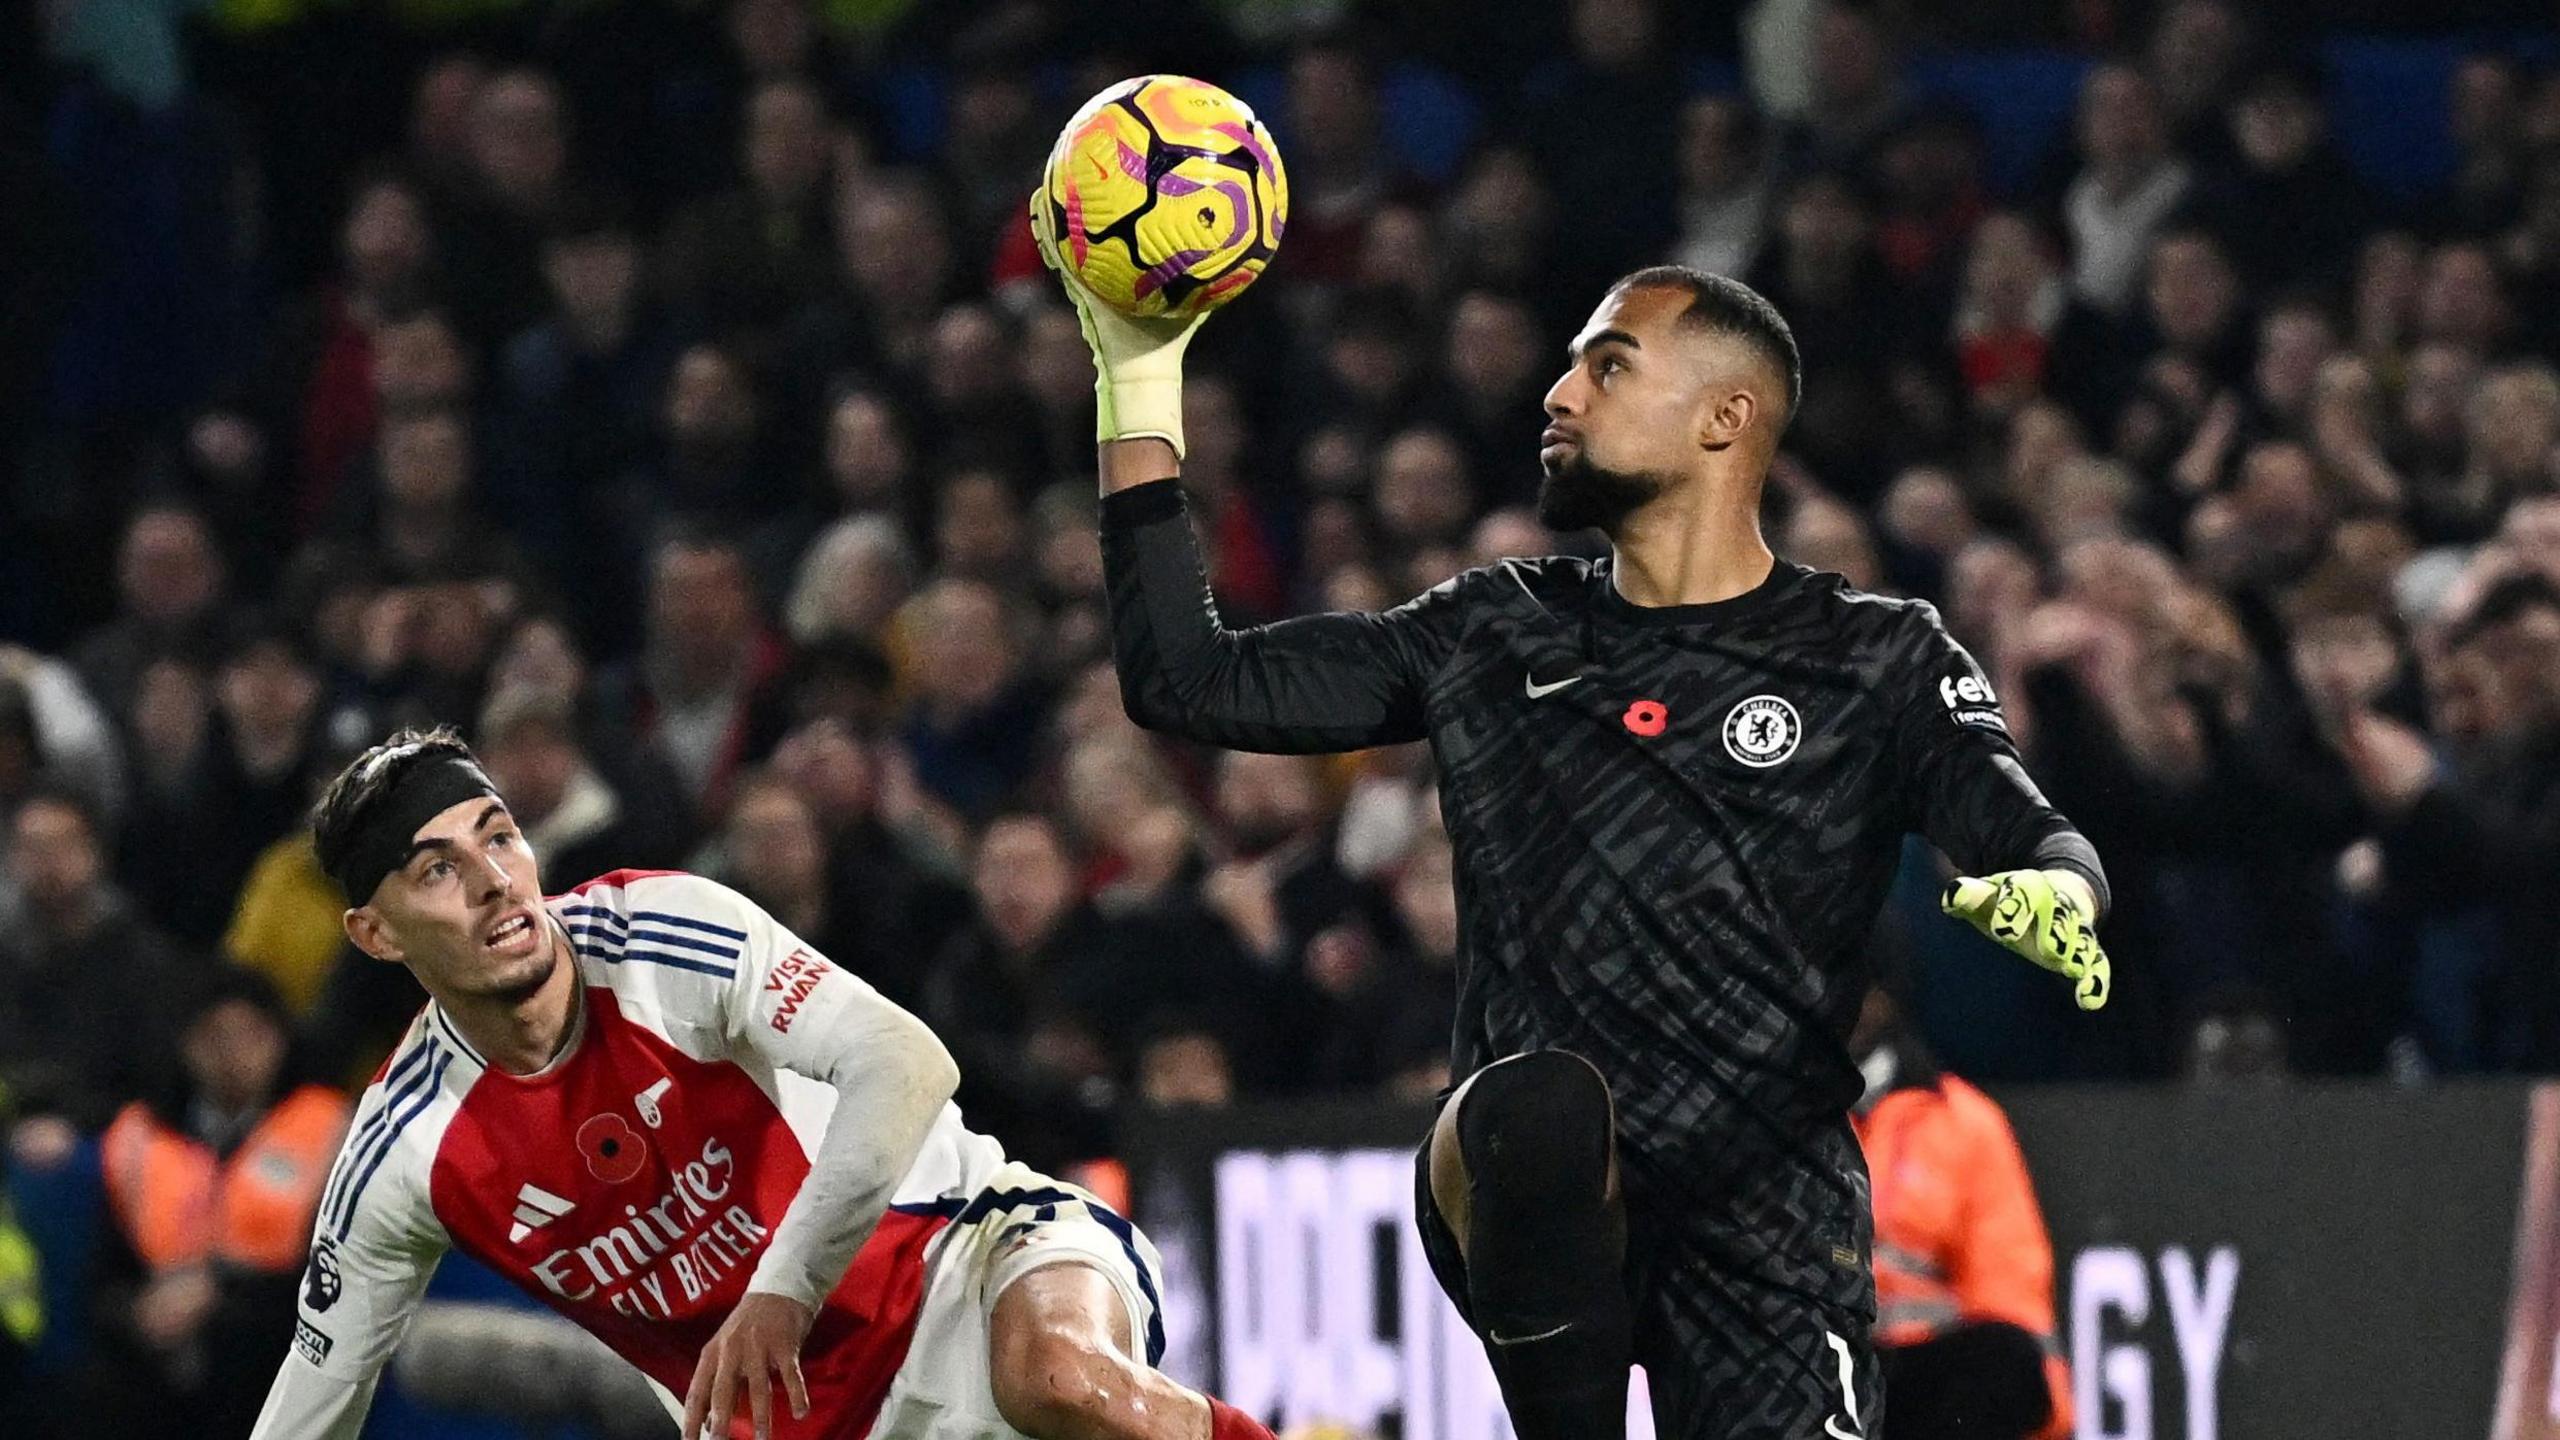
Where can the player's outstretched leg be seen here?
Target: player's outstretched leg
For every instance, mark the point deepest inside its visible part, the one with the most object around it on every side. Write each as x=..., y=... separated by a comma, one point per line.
x=1524, y=1171
x=1059, y=1353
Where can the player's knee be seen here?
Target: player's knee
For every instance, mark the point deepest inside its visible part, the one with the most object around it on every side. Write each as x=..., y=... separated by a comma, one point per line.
x=1535, y=1132
x=1051, y=1382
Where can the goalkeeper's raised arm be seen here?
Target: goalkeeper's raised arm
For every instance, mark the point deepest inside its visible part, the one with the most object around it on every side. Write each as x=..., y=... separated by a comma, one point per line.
x=1317, y=684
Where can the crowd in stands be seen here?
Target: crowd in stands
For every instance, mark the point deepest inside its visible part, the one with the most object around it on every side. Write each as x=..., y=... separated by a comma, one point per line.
x=649, y=391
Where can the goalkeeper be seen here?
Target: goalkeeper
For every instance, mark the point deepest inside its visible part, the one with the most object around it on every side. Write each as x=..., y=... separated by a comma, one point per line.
x=1677, y=781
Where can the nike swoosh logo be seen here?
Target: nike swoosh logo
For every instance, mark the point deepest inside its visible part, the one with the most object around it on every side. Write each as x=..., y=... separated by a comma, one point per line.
x=1541, y=692
x=1831, y=1427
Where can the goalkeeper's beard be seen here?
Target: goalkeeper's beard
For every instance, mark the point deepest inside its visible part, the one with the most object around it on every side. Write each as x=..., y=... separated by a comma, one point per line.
x=1579, y=495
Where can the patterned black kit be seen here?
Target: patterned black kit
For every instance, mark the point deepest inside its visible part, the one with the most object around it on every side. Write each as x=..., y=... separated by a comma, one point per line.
x=1673, y=829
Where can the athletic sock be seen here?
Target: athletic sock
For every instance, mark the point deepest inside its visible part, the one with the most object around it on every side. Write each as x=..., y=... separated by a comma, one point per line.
x=1569, y=1383
x=1226, y=1422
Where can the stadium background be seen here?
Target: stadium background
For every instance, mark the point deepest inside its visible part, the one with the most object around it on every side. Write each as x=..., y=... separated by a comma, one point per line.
x=667, y=394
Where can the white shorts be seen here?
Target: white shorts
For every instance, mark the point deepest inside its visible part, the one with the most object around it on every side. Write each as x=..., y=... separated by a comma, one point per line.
x=1022, y=1221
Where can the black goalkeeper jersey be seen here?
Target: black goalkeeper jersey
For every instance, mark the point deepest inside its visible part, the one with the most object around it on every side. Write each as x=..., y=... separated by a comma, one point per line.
x=1673, y=830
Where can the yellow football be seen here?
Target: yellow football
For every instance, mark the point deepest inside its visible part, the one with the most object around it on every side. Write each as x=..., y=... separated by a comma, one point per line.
x=1165, y=196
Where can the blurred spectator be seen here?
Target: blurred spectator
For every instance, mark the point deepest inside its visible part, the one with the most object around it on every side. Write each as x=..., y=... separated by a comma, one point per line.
x=897, y=271
x=870, y=460
x=1856, y=95
x=578, y=822
x=973, y=728
x=998, y=134
x=1411, y=1001
x=1018, y=995
x=2514, y=439
x=440, y=117
x=188, y=849
x=1056, y=374
x=326, y=369
x=540, y=656
x=1397, y=253
x=1182, y=1064
x=1856, y=328
x=2481, y=831
x=1927, y=522
x=170, y=578
x=2291, y=210
x=1503, y=230
x=2010, y=300
x=2184, y=345
x=745, y=260
x=1423, y=494
x=421, y=518
x=2295, y=338
x=2235, y=1041
x=518, y=146
x=2463, y=301
x=1282, y=885
x=706, y=691
x=852, y=580
x=1828, y=535
x=715, y=455
x=1964, y=1269
x=2385, y=303
x=420, y=363
x=1724, y=176
x=1246, y=567
x=773, y=850
x=1337, y=163
x=86, y=983
x=50, y=727
x=979, y=534
x=2484, y=114
x=2130, y=182
x=2194, y=55
x=1496, y=370
x=1932, y=193
x=1603, y=120
x=892, y=854
x=2432, y=431
x=578, y=397
x=972, y=383
x=286, y=927
x=212, y=1180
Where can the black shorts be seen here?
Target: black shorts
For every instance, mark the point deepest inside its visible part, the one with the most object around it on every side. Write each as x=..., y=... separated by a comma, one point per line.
x=1726, y=1356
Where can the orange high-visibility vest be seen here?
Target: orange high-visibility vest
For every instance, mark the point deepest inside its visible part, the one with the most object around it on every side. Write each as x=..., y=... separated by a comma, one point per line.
x=178, y=1204
x=1959, y=1236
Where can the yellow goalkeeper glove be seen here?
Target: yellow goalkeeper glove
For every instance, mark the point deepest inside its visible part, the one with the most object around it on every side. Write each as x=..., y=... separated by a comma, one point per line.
x=1137, y=364
x=2032, y=916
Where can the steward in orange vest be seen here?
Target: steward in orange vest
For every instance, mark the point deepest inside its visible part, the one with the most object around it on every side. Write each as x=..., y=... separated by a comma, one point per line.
x=211, y=1184
x=1964, y=1269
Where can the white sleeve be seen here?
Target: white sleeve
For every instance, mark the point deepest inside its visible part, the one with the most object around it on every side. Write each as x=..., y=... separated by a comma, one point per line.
x=801, y=1012
x=369, y=1264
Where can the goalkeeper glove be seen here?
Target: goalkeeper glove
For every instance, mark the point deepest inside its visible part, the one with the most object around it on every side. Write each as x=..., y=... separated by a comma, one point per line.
x=2030, y=915
x=1137, y=364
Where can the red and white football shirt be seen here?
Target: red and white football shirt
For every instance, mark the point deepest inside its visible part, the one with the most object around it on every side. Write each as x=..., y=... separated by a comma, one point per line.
x=635, y=1184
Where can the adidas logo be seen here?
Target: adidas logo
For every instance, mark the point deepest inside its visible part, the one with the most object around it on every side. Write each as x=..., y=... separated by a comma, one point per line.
x=535, y=1208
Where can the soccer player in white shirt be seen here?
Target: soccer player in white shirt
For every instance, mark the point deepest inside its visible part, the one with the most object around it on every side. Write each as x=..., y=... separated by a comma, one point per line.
x=654, y=1108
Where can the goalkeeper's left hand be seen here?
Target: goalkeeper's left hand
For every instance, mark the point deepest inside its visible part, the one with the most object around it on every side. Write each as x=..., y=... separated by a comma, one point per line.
x=2044, y=915
x=1137, y=363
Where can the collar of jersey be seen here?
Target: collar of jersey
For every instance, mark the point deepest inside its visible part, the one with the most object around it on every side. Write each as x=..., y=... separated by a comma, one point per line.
x=1782, y=575
x=558, y=1065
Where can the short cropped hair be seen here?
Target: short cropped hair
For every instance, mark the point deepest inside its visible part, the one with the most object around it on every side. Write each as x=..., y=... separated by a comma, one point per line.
x=1723, y=305
x=345, y=805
